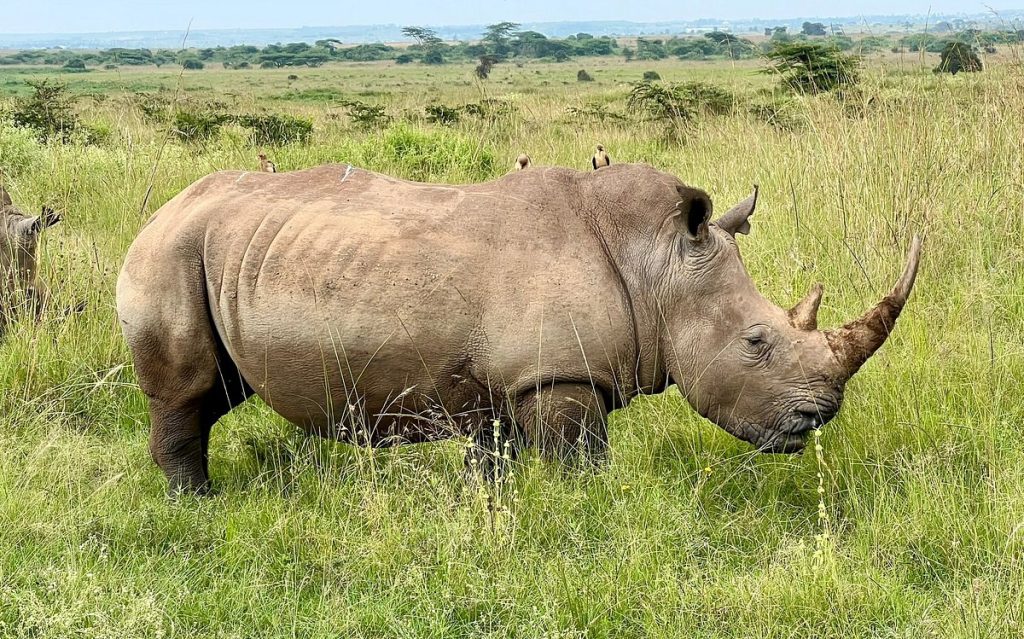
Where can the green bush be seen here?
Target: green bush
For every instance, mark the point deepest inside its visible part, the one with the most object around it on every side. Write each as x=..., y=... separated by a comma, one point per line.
x=442, y=114
x=75, y=65
x=197, y=126
x=812, y=67
x=678, y=102
x=48, y=110
x=275, y=129
x=958, y=56
x=651, y=76
x=191, y=63
x=583, y=76
x=367, y=116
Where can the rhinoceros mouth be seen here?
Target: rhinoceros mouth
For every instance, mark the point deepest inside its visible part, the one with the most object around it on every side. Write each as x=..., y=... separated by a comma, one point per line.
x=785, y=443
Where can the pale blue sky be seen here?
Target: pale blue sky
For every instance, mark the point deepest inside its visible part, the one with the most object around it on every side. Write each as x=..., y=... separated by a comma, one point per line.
x=66, y=16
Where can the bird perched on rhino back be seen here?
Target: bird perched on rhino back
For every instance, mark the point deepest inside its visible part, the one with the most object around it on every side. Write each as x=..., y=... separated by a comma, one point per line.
x=266, y=166
x=601, y=158
x=21, y=289
x=522, y=162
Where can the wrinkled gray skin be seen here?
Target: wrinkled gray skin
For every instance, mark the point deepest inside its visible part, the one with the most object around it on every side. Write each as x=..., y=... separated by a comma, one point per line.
x=21, y=289
x=381, y=312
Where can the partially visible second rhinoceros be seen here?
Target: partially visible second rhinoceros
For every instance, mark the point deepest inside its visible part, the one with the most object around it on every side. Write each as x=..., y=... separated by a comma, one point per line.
x=379, y=312
x=21, y=288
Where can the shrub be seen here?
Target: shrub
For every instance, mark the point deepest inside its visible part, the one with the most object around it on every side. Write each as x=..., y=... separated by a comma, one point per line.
x=490, y=109
x=155, y=107
x=49, y=111
x=293, y=77
x=593, y=112
x=110, y=67
x=651, y=76
x=442, y=114
x=404, y=58
x=275, y=129
x=958, y=56
x=197, y=126
x=679, y=101
x=75, y=65
x=367, y=116
x=191, y=63
x=812, y=67
x=433, y=57
x=583, y=76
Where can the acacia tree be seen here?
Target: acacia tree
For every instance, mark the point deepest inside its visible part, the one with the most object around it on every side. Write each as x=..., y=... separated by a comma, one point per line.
x=422, y=35
x=498, y=37
x=812, y=67
x=428, y=40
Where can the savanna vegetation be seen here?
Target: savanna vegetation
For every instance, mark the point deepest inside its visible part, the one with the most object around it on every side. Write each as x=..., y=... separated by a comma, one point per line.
x=904, y=519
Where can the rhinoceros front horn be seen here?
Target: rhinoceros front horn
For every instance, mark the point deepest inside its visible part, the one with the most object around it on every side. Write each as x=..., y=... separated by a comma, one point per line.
x=854, y=343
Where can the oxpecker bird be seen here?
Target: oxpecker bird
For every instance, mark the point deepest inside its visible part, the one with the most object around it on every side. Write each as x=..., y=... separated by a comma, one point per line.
x=600, y=159
x=266, y=165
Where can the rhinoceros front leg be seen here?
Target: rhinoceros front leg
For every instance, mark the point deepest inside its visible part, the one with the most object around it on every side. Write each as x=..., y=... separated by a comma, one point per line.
x=566, y=422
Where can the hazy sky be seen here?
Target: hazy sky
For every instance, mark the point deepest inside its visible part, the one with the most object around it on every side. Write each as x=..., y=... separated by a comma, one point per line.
x=65, y=16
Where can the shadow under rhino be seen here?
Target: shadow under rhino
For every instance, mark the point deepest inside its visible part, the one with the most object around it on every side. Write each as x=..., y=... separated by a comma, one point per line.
x=517, y=312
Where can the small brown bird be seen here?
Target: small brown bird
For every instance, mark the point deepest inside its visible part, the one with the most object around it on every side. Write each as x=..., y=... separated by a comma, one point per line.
x=522, y=162
x=266, y=165
x=600, y=159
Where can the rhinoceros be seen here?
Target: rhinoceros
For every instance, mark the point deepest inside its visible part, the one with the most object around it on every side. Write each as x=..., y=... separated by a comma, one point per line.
x=380, y=312
x=21, y=288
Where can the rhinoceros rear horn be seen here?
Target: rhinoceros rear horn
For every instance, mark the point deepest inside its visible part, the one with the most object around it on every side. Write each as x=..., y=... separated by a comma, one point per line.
x=735, y=219
x=804, y=315
x=854, y=343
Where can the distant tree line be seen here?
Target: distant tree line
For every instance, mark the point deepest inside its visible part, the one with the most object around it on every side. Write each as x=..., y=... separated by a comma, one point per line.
x=499, y=43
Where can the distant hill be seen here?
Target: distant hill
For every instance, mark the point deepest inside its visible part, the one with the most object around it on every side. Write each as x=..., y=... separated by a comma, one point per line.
x=392, y=33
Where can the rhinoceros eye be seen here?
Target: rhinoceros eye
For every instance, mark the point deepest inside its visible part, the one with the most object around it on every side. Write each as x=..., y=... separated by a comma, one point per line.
x=756, y=340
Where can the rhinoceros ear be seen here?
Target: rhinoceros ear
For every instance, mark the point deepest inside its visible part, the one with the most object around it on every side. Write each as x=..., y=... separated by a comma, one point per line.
x=5, y=198
x=693, y=211
x=735, y=219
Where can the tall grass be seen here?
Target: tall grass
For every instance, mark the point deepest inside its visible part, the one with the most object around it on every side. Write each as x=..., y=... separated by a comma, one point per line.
x=918, y=526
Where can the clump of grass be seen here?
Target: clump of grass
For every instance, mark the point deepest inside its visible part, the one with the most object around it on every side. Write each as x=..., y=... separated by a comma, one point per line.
x=422, y=155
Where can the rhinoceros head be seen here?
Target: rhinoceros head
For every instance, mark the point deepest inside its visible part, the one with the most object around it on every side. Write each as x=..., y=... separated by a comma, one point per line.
x=765, y=374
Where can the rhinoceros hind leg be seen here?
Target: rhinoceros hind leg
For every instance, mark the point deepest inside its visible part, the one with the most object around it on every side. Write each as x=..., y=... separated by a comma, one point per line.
x=566, y=422
x=179, y=440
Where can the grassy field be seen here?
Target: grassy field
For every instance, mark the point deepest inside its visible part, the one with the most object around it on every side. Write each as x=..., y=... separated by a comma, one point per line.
x=908, y=522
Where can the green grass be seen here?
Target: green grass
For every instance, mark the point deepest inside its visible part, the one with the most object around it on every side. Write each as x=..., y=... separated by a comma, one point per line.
x=918, y=530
